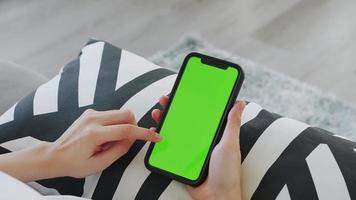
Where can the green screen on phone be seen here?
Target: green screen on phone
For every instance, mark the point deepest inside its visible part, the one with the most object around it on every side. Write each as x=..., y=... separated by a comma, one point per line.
x=193, y=118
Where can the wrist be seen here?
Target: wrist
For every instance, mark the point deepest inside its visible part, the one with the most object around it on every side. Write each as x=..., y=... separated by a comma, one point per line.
x=42, y=161
x=231, y=196
x=38, y=161
x=28, y=164
x=233, y=193
x=225, y=196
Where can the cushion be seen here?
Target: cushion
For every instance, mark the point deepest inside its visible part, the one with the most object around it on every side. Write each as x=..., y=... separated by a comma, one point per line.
x=281, y=158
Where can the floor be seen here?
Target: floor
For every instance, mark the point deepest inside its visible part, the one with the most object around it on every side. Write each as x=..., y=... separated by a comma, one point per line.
x=311, y=40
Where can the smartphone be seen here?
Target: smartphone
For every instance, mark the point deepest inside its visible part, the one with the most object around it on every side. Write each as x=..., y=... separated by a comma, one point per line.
x=194, y=119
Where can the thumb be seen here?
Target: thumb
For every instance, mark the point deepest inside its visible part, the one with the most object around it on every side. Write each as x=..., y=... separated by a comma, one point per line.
x=232, y=129
x=112, y=153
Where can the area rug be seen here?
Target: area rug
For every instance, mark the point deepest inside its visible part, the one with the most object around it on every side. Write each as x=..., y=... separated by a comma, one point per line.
x=273, y=90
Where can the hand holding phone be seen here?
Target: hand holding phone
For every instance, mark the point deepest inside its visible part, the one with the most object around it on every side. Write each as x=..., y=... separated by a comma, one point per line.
x=223, y=180
x=194, y=120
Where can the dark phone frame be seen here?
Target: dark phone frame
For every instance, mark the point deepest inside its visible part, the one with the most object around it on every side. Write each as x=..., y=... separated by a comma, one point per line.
x=237, y=86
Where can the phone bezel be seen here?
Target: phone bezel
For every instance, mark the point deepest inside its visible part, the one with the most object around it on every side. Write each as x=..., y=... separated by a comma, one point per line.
x=237, y=86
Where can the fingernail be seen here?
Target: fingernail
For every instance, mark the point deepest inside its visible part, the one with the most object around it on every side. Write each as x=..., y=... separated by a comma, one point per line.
x=158, y=136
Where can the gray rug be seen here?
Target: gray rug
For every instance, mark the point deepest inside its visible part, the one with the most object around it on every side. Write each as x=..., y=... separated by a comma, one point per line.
x=272, y=90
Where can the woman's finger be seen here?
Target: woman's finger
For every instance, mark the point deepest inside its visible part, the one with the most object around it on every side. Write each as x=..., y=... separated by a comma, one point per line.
x=112, y=153
x=156, y=115
x=125, y=131
x=232, y=129
x=163, y=100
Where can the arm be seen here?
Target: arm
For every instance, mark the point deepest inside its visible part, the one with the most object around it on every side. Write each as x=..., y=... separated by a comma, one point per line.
x=92, y=143
x=27, y=164
x=223, y=181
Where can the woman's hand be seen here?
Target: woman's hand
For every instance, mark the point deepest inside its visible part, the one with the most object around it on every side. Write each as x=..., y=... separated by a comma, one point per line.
x=223, y=181
x=91, y=144
x=95, y=141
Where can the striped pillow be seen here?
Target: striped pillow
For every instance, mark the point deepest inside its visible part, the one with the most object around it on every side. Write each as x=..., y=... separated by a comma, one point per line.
x=281, y=158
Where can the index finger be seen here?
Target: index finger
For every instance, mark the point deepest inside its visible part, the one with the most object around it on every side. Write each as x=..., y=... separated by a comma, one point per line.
x=127, y=131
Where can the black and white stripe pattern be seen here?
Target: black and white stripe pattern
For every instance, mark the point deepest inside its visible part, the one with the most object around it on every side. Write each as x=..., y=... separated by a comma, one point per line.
x=291, y=160
x=281, y=158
